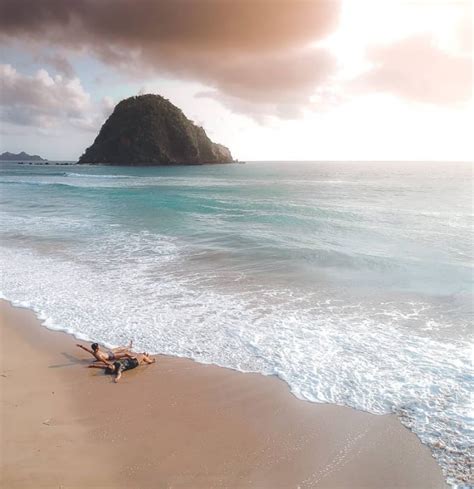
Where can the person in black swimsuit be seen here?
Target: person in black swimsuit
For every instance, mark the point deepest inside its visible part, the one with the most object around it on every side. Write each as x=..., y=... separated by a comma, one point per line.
x=123, y=364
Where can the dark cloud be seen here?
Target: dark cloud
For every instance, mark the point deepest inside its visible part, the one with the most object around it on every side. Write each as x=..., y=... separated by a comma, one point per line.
x=254, y=52
x=417, y=69
x=203, y=25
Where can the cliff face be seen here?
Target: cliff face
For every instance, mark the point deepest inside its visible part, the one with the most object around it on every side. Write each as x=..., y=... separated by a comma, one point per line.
x=150, y=130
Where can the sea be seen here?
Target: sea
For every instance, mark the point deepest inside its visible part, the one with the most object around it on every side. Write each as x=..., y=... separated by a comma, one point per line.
x=350, y=281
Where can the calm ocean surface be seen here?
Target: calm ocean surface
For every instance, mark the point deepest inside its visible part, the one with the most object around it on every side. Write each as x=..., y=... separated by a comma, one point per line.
x=350, y=281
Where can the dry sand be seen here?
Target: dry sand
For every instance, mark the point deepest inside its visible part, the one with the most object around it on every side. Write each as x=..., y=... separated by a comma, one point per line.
x=178, y=424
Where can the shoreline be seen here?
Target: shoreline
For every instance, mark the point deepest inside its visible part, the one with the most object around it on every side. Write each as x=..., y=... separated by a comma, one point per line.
x=179, y=423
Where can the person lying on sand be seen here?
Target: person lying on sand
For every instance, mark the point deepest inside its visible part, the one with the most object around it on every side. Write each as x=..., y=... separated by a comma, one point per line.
x=106, y=357
x=123, y=364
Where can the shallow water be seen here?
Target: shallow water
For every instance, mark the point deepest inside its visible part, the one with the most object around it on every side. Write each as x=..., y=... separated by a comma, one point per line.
x=350, y=281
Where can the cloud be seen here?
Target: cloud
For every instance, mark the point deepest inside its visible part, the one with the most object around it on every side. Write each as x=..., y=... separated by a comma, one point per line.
x=258, y=57
x=60, y=63
x=45, y=102
x=417, y=69
x=278, y=84
x=256, y=53
x=465, y=31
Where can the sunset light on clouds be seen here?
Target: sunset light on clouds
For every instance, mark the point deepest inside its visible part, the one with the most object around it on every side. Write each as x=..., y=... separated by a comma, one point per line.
x=273, y=80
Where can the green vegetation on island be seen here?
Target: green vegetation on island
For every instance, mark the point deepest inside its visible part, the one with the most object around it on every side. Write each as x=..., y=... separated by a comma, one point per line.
x=150, y=130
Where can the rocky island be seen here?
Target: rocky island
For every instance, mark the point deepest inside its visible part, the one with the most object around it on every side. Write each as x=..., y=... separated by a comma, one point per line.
x=20, y=157
x=150, y=130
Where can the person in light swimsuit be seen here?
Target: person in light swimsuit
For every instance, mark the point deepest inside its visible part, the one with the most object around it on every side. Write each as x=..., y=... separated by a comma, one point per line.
x=128, y=363
x=107, y=357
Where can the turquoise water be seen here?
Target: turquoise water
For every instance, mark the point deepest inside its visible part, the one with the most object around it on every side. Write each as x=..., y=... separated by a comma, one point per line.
x=350, y=281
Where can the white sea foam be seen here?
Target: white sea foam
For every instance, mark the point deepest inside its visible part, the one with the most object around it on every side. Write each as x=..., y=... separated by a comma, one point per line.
x=327, y=350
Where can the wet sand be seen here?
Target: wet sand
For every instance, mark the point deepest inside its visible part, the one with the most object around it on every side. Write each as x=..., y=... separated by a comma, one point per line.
x=179, y=424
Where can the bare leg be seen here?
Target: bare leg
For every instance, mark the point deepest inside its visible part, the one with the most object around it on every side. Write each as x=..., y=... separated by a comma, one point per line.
x=145, y=358
x=122, y=354
x=123, y=348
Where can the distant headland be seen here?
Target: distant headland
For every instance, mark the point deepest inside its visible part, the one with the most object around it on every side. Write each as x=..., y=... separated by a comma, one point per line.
x=150, y=130
x=7, y=156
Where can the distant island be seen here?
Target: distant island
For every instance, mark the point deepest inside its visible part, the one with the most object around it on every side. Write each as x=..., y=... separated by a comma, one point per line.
x=20, y=157
x=150, y=130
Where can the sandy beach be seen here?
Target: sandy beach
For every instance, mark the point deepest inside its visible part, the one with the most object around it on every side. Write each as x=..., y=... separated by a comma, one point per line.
x=179, y=424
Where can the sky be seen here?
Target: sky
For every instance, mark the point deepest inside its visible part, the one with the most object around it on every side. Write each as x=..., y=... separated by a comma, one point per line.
x=270, y=79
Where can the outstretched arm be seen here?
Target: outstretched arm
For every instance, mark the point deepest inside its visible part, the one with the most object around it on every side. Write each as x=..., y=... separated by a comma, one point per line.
x=95, y=365
x=85, y=349
x=118, y=376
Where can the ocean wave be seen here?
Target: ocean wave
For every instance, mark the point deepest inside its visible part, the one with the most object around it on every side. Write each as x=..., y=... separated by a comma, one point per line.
x=104, y=181
x=88, y=175
x=36, y=183
x=382, y=365
x=31, y=174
